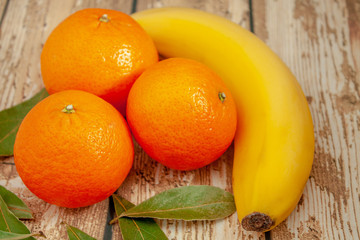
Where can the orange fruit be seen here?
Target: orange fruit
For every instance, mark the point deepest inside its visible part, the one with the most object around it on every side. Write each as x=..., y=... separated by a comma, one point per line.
x=181, y=114
x=73, y=149
x=98, y=51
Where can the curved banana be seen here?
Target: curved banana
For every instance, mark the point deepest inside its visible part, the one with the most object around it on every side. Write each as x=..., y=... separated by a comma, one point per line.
x=274, y=142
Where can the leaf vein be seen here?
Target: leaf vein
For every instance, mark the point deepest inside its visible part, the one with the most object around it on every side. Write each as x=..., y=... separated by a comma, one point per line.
x=74, y=233
x=150, y=233
x=172, y=209
x=175, y=196
x=13, y=130
x=7, y=225
x=122, y=205
x=19, y=209
x=138, y=228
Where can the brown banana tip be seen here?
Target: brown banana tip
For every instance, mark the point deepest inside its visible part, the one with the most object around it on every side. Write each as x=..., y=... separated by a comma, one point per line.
x=256, y=221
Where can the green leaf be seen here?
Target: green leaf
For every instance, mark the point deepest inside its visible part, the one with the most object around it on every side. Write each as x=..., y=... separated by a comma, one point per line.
x=10, y=120
x=76, y=234
x=134, y=229
x=9, y=222
x=186, y=203
x=15, y=204
x=16, y=236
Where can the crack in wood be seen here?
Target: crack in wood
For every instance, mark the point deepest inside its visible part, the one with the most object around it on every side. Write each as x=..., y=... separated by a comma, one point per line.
x=4, y=12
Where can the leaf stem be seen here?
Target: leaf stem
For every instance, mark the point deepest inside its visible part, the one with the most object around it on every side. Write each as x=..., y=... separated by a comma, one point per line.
x=39, y=234
x=115, y=220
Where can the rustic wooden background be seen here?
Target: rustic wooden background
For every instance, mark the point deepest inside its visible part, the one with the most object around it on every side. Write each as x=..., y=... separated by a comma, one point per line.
x=319, y=40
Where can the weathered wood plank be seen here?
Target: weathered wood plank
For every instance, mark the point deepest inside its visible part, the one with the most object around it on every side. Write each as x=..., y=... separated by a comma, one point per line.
x=319, y=41
x=3, y=6
x=25, y=28
x=235, y=10
x=148, y=177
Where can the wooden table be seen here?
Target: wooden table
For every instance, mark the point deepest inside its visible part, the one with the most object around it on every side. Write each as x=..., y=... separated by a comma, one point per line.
x=320, y=42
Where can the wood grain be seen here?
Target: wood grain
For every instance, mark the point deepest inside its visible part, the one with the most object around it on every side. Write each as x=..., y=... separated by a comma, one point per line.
x=25, y=28
x=148, y=178
x=319, y=41
x=3, y=7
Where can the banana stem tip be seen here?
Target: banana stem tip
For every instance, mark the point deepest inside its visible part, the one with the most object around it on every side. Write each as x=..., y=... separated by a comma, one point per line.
x=256, y=221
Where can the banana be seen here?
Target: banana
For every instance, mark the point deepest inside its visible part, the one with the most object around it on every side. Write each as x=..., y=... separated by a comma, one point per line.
x=274, y=142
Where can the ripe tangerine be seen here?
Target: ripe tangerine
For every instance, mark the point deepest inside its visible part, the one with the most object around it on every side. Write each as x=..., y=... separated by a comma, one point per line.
x=99, y=51
x=181, y=114
x=73, y=149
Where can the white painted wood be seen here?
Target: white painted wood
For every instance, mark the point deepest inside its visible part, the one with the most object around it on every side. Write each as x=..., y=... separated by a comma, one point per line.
x=25, y=28
x=319, y=41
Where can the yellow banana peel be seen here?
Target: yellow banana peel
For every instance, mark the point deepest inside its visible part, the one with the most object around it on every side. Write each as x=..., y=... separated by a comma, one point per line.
x=274, y=142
